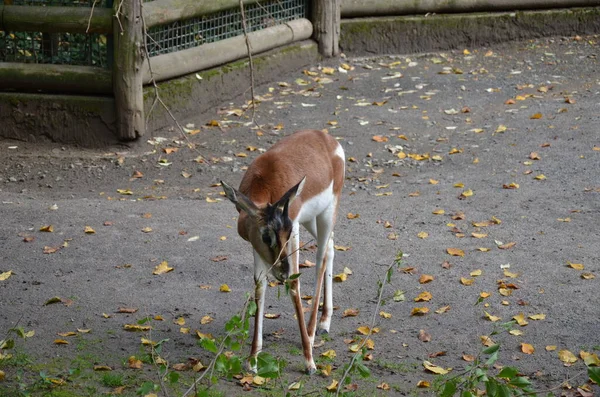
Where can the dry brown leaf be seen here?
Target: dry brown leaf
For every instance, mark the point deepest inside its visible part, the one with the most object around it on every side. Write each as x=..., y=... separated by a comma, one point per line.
x=455, y=252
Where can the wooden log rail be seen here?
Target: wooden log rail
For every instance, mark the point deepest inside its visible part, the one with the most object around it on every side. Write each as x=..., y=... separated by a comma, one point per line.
x=55, y=19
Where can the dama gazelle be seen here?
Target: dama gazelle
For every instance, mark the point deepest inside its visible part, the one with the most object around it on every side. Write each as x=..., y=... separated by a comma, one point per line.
x=298, y=181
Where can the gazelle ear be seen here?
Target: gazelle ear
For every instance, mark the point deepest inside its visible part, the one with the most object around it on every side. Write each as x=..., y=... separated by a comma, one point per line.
x=289, y=197
x=240, y=200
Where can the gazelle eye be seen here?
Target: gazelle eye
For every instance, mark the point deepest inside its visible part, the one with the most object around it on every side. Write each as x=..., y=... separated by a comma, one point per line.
x=269, y=238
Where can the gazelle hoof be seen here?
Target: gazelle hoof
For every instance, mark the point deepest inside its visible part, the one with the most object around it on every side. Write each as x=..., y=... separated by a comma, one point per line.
x=311, y=370
x=322, y=331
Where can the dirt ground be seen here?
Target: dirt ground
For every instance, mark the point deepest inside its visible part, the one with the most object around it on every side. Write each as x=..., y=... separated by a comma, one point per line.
x=491, y=154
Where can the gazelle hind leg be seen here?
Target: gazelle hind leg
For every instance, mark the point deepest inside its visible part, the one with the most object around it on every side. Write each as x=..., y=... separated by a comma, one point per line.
x=325, y=320
x=324, y=232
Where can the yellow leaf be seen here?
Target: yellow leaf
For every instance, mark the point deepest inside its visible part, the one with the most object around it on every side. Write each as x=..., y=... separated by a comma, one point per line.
x=434, y=368
x=206, y=320
x=340, y=277
x=295, y=386
x=576, y=266
x=5, y=275
x=589, y=358
x=60, y=342
x=501, y=128
x=455, y=151
x=588, y=276
x=483, y=249
x=385, y=386
x=136, y=327
x=329, y=354
x=466, y=281
x=341, y=248
x=511, y=185
x=380, y=138
x=479, y=235
x=540, y=177
x=425, y=278
x=147, y=342
x=327, y=70
x=492, y=318
x=520, y=319
x=516, y=332
x=364, y=330
x=333, y=386
x=439, y=212
x=423, y=384
x=467, y=193
x=224, y=288
x=527, y=348
x=510, y=274
x=326, y=369
x=88, y=230
x=211, y=200
x=566, y=356
x=433, y=182
x=540, y=316
x=487, y=341
x=125, y=192
x=350, y=313
x=423, y=235
x=352, y=216
x=550, y=348
x=272, y=316
x=455, y=252
x=536, y=116
x=68, y=333
x=258, y=380
x=424, y=297
x=442, y=309
x=419, y=311
x=180, y=321
x=204, y=336
x=485, y=295
x=48, y=228
x=476, y=273
x=162, y=268
x=213, y=123
x=184, y=330
x=147, y=229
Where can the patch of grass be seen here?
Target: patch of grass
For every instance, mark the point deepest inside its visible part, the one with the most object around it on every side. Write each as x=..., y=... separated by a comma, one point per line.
x=112, y=380
x=294, y=351
x=396, y=367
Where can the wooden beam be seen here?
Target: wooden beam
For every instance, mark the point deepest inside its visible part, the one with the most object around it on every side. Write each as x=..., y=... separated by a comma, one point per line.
x=326, y=23
x=127, y=72
x=55, y=19
x=160, y=12
x=55, y=78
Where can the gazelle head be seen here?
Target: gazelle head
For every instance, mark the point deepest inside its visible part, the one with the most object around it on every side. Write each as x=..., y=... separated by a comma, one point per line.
x=269, y=227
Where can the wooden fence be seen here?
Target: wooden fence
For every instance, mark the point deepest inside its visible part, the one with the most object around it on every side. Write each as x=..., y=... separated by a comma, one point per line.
x=127, y=22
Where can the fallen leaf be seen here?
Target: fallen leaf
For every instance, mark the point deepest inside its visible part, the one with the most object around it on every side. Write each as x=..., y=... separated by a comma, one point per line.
x=516, y=332
x=434, y=368
x=486, y=341
x=576, y=266
x=468, y=358
x=352, y=216
x=385, y=386
x=512, y=185
x=491, y=317
x=425, y=278
x=126, y=310
x=350, y=313
x=162, y=268
x=206, y=320
x=333, y=386
x=527, y=348
x=47, y=229
x=566, y=356
x=476, y=273
x=380, y=138
x=540, y=316
x=536, y=116
x=520, y=319
x=424, y=336
x=466, y=281
x=385, y=315
x=224, y=288
x=443, y=309
x=423, y=235
x=137, y=327
x=134, y=363
x=88, y=230
x=507, y=245
x=438, y=212
x=5, y=275
x=455, y=252
x=60, y=342
x=419, y=311
x=340, y=277
x=424, y=296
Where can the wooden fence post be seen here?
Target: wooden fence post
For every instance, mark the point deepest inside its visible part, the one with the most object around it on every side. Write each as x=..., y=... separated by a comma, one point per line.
x=326, y=23
x=127, y=69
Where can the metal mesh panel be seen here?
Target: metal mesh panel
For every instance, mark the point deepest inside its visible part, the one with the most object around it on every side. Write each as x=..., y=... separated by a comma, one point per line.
x=222, y=25
x=55, y=48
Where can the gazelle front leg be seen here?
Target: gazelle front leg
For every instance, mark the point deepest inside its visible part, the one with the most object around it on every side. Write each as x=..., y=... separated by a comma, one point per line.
x=294, y=285
x=260, y=285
